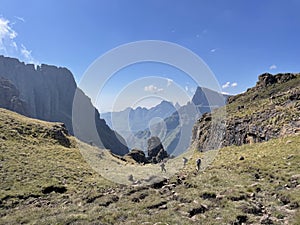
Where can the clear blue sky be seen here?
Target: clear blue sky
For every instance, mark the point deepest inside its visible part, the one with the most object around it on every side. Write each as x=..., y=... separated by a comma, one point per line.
x=237, y=39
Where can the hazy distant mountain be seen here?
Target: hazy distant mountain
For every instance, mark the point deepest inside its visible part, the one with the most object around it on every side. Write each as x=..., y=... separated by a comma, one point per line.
x=130, y=121
x=176, y=130
x=48, y=93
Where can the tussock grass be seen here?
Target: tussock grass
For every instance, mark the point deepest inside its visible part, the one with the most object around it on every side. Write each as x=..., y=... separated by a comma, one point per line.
x=225, y=190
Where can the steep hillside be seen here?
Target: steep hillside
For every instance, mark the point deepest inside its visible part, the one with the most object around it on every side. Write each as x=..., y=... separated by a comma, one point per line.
x=48, y=93
x=270, y=109
x=45, y=180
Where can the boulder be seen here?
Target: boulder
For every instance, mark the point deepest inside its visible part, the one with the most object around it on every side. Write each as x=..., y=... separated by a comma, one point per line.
x=137, y=155
x=156, y=152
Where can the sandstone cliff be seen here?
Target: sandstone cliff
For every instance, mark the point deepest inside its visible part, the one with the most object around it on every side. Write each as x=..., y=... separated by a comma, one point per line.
x=270, y=109
x=48, y=92
x=10, y=97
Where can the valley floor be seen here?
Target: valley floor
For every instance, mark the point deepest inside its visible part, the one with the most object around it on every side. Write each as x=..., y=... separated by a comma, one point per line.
x=45, y=183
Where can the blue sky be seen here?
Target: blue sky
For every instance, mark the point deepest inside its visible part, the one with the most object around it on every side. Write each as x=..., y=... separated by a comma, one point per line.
x=237, y=39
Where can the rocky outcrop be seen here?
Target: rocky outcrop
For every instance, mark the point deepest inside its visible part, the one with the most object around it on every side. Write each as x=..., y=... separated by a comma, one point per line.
x=48, y=92
x=10, y=97
x=156, y=152
x=271, y=109
x=268, y=79
x=137, y=155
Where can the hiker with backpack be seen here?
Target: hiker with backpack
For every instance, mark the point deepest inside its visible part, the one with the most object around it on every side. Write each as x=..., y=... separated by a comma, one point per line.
x=198, y=164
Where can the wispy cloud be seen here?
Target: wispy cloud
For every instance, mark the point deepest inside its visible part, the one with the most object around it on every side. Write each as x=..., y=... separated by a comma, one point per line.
x=213, y=50
x=20, y=18
x=234, y=84
x=27, y=55
x=8, y=44
x=226, y=85
x=7, y=35
x=273, y=67
x=229, y=84
x=153, y=89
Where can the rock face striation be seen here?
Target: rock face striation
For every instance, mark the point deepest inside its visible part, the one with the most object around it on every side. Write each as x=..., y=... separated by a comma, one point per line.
x=48, y=93
x=270, y=109
x=10, y=97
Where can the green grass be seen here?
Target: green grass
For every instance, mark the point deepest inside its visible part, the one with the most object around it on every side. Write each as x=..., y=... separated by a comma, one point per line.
x=226, y=188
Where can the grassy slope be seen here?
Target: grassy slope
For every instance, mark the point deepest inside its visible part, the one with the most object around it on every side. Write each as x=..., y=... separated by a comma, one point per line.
x=31, y=163
x=263, y=183
x=258, y=101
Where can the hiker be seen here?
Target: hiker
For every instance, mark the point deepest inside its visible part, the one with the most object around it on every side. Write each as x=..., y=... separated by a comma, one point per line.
x=198, y=163
x=163, y=167
x=130, y=178
x=185, y=160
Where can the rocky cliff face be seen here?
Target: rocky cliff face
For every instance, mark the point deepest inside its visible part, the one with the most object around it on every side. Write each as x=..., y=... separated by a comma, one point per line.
x=48, y=92
x=270, y=109
x=156, y=152
x=10, y=97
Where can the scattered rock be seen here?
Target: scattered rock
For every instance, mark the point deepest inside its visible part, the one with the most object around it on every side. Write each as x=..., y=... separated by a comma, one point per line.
x=159, y=184
x=157, y=205
x=238, y=198
x=208, y=195
x=265, y=219
x=240, y=219
x=202, y=209
x=56, y=189
x=252, y=208
x=242, y=158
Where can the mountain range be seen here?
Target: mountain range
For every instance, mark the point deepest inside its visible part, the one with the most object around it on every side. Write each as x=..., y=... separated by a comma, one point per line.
x=175, y=130
x=133, y=120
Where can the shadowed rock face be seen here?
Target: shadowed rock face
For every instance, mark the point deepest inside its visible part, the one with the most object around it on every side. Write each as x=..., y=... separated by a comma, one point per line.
x=10, y=97
x=137, y=155
x=156, y=152
x=48, y=92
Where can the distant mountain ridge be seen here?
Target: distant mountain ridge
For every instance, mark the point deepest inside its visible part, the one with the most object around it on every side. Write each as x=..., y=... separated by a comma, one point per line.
x=130, y=121
x=139, y=118
x=48, y=92
x=177, y=134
